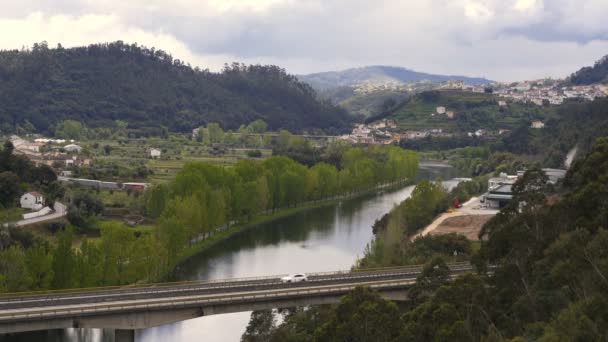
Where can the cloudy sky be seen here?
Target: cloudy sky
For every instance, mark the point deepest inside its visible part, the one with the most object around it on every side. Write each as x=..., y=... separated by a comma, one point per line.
x=500, y=39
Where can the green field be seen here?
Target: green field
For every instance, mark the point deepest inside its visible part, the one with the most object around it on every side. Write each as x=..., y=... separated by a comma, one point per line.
x=126, y=155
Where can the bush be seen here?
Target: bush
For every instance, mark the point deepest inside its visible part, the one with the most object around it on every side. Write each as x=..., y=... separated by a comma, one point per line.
x=254, y=153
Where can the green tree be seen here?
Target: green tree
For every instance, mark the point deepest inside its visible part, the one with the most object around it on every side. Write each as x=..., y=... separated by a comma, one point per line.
x=39, y=266
x=63, y=260
x=362, y=315
x=13, y=268
x=258, y=126
x=70, y=129
x=9, y=188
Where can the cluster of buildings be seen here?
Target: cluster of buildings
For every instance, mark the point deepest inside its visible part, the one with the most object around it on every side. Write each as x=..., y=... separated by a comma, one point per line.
x=539, y=94
x=32, y=150
x=384, y=132
x=460, y=85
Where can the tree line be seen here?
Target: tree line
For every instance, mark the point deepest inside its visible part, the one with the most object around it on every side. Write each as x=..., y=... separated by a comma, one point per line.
x=205, y=197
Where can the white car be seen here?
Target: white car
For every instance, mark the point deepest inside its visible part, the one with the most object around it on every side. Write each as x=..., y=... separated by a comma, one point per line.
x=294, y=278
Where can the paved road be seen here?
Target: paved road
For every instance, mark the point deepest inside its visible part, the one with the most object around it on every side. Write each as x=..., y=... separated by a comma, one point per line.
x=60, y=211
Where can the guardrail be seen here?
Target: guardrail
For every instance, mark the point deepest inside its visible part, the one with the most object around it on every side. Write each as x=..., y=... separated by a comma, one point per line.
x=7, y=297
x=228, y=280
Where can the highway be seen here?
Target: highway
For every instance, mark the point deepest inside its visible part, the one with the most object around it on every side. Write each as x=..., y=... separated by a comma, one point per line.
x=29, y=311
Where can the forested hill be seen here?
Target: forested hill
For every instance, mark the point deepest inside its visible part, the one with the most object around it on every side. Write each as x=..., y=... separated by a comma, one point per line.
x=598, y=73
x=378, y=75
x=148, y=88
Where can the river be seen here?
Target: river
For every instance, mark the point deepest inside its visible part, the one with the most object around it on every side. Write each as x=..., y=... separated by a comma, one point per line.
x=323, y=239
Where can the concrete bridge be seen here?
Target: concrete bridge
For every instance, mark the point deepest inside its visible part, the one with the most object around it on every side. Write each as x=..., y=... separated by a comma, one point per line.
x=137, y=307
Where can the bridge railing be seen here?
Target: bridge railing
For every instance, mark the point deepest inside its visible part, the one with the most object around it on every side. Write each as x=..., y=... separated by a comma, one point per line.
x=228, y=282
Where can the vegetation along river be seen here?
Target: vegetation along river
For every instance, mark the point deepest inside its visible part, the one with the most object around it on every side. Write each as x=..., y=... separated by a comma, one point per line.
x=323, y=239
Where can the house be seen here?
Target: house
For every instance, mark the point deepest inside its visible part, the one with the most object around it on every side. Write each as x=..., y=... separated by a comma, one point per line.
x=502, y=103
x=32, y=200
x=450, y=114
x=440, y=110
x=154, y=153
x=72, y=148
x=537, y=124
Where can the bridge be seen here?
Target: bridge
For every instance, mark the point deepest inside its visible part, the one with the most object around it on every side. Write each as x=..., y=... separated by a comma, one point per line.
x=137, y=307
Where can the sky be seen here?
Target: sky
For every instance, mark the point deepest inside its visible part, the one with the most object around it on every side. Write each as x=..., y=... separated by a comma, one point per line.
x=503, y=40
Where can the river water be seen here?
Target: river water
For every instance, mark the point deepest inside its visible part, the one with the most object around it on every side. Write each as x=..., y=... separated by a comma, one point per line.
x=323, y=239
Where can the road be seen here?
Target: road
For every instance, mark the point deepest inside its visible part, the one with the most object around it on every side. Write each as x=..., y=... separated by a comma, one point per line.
x=60, y=211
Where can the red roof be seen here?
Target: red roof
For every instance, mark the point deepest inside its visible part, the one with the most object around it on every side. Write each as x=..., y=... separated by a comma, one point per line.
x=35, y=194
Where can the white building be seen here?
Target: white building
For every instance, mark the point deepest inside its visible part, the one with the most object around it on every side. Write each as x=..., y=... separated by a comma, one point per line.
x=32, y=200
x=537, y=124
x=502, y=103
x=441, y=110
x=155, y=153
x=449, y=114
x=72, y=148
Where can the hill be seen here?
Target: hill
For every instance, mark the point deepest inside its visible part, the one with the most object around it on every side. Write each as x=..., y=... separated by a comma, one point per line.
x=147, y=88
x=472, y=111
x=598, y=73
x=378, y=75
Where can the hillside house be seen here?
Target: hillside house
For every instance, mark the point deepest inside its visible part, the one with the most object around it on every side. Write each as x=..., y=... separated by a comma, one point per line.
x=450, y=114
x=537, y=124
x=440, y=110
x=72, y=148
x=155, y=153
x=32, y=200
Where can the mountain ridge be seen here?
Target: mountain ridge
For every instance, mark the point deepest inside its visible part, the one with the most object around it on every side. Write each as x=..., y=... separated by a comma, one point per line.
x=379, y=74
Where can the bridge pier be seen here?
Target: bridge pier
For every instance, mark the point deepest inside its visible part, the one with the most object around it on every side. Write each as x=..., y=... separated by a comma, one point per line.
x=124, y=335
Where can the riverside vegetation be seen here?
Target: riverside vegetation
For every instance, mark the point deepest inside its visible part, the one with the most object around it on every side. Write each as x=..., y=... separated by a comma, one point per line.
x=201, y=201
x=549, y=249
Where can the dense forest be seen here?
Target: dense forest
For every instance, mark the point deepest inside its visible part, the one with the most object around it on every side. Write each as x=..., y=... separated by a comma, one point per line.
x=598, y=73
x=148, y=88
x=549, y=248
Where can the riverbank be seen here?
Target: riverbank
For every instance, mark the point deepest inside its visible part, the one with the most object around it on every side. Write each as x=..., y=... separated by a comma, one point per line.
x=224, y=234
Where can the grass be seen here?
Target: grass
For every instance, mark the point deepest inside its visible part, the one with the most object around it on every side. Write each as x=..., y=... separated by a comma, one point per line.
x=12, y=214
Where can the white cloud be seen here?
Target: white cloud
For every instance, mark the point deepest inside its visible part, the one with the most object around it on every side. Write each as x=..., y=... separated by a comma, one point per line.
x=500, y=39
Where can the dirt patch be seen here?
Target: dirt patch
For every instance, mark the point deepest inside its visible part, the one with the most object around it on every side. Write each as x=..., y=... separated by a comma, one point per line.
x=467, y=225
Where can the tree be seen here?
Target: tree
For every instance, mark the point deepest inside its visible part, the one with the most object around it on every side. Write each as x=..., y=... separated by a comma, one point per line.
x=258, y=126
x=260, y=327
x=9, y=188
x=39, y=266
x=63, y=260
x=362, y=315
x=13, y=269
x=157, y=198
x=70, y=129
x=216, y=133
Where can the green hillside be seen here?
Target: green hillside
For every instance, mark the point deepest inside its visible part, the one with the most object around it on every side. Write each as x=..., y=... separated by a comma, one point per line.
x=598, y=73
x=472, y=111
x=147, y=88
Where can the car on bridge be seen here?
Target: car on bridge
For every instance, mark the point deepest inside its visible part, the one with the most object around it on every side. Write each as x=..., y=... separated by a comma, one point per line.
x=294, y=278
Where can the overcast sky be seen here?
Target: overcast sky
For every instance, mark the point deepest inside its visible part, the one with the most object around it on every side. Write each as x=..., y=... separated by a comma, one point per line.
x=503, y=40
